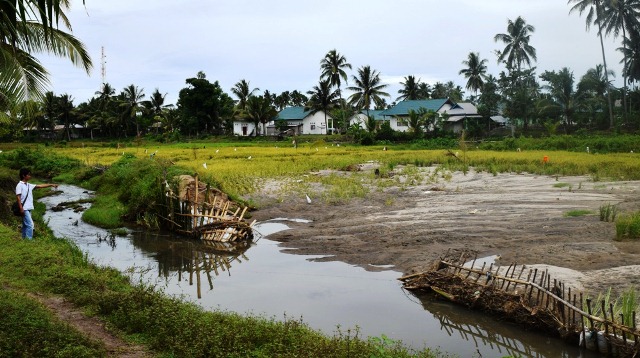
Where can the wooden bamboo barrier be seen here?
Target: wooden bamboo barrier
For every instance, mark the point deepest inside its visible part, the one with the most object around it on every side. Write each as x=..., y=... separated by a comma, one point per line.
x=202, y=215
x=540, y=292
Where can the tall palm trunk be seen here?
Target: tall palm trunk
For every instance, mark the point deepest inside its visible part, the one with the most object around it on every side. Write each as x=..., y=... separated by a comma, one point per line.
x=604, y=61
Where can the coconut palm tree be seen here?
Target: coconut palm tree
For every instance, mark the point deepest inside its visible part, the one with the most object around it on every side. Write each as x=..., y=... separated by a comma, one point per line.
x=411, y=89
x=27, y=28
x=620, y=15
x=595, y=16
x=66, y=113
x=260, y=110
x=332, y=66
x=474, y=72
x=631, y=52
x=322, y=99
x=368, y=89
x=242, y=91
x=132, y=104
x=517, y=48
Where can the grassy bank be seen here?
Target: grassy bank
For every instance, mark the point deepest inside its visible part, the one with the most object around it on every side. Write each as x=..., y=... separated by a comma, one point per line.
x=167, y=326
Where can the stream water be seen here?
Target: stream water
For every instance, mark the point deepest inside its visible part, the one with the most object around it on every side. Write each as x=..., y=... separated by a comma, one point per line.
x=257, y=278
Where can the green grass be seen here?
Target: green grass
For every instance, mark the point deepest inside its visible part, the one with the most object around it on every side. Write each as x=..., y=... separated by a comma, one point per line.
x=628, y=226
x=28, y=329
x=167, y=325
x=578, y=212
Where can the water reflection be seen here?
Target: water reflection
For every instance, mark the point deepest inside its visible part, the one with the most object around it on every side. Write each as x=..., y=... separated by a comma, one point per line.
x=256, y=277
x=192, y=261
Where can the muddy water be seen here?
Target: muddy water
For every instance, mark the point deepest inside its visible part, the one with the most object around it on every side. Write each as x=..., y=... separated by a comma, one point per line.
x=258, y=279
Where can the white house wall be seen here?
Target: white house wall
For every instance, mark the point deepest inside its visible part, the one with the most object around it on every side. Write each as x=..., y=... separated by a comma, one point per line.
x=238, y=128
x=314, y=123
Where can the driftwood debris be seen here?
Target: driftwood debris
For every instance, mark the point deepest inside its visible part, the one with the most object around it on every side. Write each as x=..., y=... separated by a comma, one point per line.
x=537, y=302
x=196, y=209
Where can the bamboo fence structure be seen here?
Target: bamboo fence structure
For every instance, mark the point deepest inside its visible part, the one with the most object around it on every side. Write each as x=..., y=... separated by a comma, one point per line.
x=205, y=213
x=531, y=297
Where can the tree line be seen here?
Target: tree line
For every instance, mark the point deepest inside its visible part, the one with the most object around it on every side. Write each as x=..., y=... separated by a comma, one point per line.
x=552, y=99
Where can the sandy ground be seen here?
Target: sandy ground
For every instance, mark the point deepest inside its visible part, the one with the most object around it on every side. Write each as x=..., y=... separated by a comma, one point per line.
x=520, y=217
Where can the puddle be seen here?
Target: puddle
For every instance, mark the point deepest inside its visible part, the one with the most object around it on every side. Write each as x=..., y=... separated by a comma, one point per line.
x=257, y=278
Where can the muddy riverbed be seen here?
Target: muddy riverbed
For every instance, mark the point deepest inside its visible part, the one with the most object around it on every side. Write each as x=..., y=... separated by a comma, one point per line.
x=520, y=217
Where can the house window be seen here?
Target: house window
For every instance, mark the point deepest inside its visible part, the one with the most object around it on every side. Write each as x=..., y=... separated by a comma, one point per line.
x=313, y=126
x=402, y=122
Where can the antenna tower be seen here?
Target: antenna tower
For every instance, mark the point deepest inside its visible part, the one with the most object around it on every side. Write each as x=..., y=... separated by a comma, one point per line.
x=103, y=64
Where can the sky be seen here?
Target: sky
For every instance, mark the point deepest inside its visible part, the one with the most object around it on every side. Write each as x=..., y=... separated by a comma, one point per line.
x=277, y=45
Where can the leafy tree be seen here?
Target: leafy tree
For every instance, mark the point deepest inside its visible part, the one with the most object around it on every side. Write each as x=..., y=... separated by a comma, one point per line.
x=520, y=91
x=332, y=66
x=489, y=101
x=474, y=72
x=322, y=99
x=202, y=106
x=595, y=15
x=260, y=110
x=368, y=89
x=517, y=48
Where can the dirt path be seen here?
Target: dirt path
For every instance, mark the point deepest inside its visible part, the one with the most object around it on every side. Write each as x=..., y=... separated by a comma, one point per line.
x=520, y=217
x=91, y=327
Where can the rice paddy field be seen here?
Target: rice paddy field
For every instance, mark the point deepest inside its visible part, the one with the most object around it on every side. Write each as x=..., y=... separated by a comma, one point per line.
x=240, y=168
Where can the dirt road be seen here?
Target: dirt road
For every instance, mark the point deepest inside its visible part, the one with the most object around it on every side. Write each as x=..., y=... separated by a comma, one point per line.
x=520, y=217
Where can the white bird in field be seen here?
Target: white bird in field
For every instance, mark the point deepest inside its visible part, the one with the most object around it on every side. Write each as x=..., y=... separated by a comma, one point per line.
x=217, y=150
x=249, y=158
x=587, y=149
x=204, y=165
x=308, y=199
x=235, y=149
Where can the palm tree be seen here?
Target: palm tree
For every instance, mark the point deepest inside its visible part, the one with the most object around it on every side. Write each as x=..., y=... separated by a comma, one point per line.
x=411, y=89
x=27, y=28
x=242, y=91
x=66, y=112
x=474, y=72
x=260, y=110
x=622, y=15
x=517, y=50
x=133, y=96
x=595, y=16
x=367, y=90
x=322, y=99
x=561, y=92
x=631, y=52
x=332, y=66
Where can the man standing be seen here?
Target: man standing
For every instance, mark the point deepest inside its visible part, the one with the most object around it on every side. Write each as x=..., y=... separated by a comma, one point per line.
x=24, y=195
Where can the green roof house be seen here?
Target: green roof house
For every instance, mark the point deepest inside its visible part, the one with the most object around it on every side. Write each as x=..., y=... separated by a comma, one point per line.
x=455, y=113
x=301, y=121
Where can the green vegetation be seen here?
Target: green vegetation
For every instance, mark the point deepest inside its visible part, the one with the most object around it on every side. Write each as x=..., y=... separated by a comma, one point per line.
x=52, y=266
x=608, y=212
x=576, y=213
x=27, y=329
x=628, y=226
